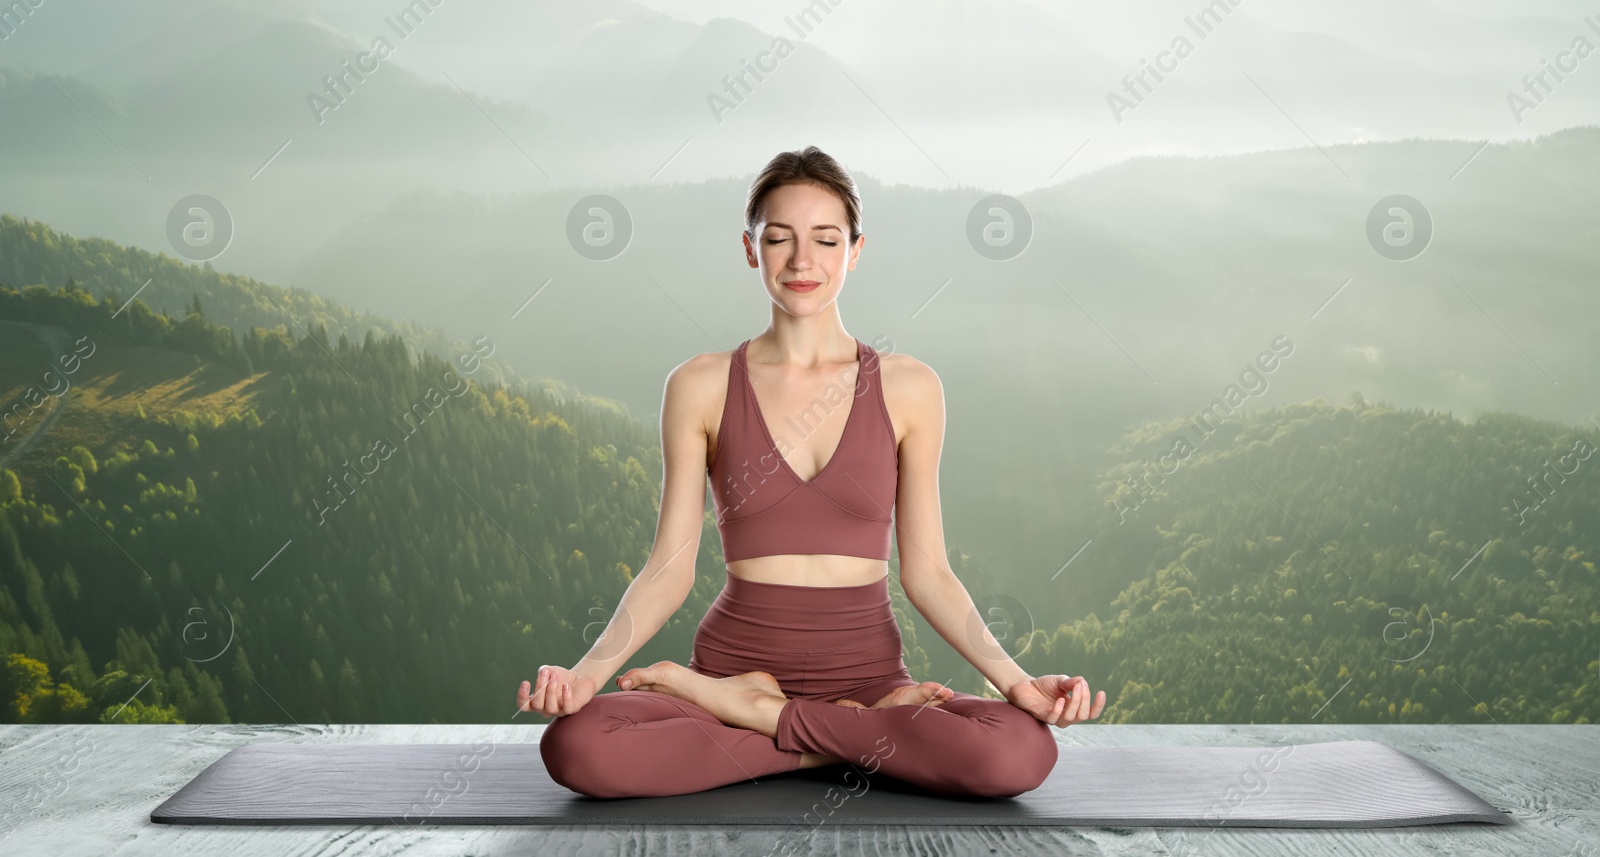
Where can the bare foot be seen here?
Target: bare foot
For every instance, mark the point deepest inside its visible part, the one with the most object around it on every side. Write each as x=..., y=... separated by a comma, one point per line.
x=926, y=693
x=749, y=700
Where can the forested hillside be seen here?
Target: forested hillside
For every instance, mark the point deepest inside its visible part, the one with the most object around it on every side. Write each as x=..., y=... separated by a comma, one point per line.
x=32, y=252
x=332, y=531
x=357, y=535
x=1347, y=564
x=375, y=538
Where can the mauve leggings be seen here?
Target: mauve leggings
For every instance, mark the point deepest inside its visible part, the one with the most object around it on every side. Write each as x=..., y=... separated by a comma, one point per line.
x=821, y=644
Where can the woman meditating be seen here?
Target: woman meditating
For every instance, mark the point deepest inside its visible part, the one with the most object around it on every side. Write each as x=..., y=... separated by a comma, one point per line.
x=797, y=663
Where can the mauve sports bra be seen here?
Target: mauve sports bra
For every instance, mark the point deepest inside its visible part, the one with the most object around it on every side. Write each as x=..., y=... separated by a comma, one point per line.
x=764, y=508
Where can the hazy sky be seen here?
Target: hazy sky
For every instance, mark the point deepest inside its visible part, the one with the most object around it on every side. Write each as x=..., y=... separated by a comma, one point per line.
x=1009, y=95
x=1270, y=75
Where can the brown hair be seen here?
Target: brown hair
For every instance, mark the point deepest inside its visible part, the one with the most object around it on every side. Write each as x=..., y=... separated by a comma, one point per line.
x=810, y=165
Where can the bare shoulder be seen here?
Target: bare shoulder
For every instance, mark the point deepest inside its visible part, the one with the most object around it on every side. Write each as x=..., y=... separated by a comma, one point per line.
x=908, y=378
x=695, y=388
x=912, y=392
x=705, y=367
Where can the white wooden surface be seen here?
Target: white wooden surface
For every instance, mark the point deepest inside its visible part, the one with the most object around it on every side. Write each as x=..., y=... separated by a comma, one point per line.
x=89, y=790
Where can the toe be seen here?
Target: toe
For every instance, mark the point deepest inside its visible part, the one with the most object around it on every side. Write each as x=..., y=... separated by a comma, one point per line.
x=631, y=679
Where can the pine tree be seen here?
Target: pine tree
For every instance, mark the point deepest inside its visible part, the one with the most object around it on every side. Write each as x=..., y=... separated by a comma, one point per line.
x=349, y=691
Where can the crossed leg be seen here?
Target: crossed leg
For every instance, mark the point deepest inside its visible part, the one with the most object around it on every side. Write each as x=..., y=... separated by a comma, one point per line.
x=639, y=743
x=648, y=743
x=969, y=745
x=688, y=732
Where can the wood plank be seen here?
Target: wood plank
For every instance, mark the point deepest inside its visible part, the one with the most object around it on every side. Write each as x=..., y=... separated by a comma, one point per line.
x=68, y=789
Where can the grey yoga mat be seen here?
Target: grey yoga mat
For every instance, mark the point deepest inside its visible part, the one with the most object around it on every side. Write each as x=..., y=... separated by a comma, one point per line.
x=1330, y=784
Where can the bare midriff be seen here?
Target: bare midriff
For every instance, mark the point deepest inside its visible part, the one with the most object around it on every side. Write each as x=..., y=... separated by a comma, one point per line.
x=810, y=569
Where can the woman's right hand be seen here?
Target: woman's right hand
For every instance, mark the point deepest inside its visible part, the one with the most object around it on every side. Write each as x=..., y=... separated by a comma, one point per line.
x=557, y=691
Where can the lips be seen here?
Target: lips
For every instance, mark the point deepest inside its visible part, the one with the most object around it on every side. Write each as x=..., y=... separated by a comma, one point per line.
x=801, y=285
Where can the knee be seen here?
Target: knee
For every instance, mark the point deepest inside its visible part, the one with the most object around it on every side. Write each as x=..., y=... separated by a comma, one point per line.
x=573, y=749
x=1018, y=759
x=561, y=747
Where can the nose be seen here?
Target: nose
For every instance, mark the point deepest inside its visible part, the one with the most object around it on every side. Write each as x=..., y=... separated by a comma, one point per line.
x=800, y=262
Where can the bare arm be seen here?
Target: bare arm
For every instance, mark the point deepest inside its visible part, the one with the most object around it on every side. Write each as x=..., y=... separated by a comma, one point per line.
x=925, y=574
x=661, y=586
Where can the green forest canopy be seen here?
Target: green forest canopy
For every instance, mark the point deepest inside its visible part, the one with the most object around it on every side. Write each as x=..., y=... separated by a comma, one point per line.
x=1348, y=564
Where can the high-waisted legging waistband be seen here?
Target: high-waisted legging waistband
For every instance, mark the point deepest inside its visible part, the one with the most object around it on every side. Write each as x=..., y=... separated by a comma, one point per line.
x=817, y=641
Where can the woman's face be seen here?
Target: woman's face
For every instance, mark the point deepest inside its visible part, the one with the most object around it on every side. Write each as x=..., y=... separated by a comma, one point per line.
x=802, y=248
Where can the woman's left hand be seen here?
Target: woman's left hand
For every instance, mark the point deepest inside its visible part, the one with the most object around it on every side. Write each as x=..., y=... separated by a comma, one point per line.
x=1057, y=699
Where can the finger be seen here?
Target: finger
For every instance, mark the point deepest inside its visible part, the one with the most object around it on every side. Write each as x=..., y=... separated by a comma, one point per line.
x=549, y=689
x=522, y=696
x=552, y=694
x=566, y=698
x=1080, y=700
x=1056, y=708
x=1099, y=704
x=1073, y=696
x=539, y=686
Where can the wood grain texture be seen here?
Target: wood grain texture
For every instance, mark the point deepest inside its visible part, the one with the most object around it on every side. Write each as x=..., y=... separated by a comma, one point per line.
x=90, y=789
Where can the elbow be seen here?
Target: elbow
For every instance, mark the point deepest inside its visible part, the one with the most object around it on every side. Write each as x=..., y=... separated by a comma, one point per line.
x=679, y=579
x=916, y=578
x=677, y=565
